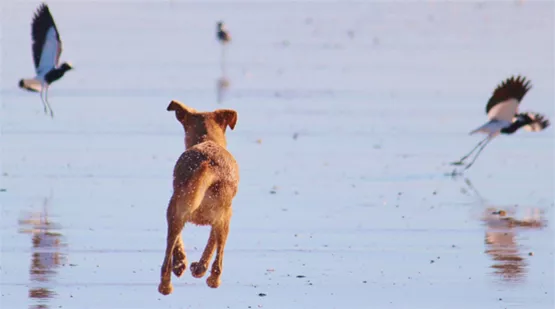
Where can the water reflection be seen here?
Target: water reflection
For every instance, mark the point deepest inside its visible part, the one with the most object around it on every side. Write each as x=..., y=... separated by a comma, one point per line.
x=46, y=255
x=501, y=235
x=470, y=189
x=509, y=263
x=222, y=83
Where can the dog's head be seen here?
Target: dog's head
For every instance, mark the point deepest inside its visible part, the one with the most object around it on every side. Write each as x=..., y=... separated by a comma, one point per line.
x=203, y=126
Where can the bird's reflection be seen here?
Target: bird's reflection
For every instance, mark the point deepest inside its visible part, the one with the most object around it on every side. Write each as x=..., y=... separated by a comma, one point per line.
x=470, y=189
x=501, y=241
x=46, y=255
x=501, y=235
x=222, y=84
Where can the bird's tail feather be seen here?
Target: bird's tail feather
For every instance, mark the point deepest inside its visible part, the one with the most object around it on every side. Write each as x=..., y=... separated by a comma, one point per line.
x=535, y=122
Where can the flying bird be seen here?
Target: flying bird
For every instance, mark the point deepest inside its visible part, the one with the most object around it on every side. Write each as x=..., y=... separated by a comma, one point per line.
x=504, y=118
x=222, y=34
x=47, y=48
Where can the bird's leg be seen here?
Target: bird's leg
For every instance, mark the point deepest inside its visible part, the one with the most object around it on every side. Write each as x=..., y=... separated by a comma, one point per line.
x=48, y=104
x=478, y=153
x=42, y=98
x=222, y=60
x=461, y=161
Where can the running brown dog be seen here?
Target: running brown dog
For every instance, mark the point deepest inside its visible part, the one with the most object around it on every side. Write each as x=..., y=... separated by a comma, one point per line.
x=205, y=181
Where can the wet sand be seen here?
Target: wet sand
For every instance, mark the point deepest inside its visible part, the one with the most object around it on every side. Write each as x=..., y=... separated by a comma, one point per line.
x=348, y=117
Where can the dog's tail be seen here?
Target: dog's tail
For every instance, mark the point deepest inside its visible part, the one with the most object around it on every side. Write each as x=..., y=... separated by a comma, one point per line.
x=191, y=191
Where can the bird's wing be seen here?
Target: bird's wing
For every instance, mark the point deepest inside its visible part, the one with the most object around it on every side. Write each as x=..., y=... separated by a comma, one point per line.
x=503, y=104
x=47, y=46
x=534, y=122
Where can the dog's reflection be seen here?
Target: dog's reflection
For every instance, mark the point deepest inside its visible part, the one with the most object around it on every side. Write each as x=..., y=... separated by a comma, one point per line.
x=501, y=241
x=46, y=255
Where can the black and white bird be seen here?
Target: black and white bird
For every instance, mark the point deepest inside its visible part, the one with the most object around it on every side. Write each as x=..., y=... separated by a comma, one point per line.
x=222, y=33
x=504, y=118
x=47, y=48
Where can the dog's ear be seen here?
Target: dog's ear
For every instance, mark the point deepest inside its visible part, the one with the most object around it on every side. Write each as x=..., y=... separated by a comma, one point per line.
x=226, y=117
x=181, y=110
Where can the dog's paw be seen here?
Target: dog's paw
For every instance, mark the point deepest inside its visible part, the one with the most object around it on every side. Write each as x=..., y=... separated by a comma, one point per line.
x=165, y=288
x=213, y=281
x=179, y=267
x=198, y=270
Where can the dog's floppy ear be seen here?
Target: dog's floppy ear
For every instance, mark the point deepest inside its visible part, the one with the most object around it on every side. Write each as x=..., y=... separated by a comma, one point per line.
x=181, y=110
x=226, y=117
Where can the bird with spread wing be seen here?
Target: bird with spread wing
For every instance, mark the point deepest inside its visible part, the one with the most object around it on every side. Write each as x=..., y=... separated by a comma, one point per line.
x=504, y=118
x=47, y=48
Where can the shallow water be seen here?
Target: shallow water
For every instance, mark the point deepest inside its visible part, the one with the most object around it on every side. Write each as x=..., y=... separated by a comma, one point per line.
x=349, y=114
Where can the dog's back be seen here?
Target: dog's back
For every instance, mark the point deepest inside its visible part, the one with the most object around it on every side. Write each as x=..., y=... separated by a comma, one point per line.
x=212, y=172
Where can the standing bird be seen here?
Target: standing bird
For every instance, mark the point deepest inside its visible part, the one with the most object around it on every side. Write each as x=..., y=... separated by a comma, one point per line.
x=502, y=110
x=223, y=35
x=47, y=48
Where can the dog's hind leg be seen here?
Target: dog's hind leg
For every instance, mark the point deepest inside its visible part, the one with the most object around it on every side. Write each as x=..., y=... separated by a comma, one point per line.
x=186, y=199
x=198, y=269
x=222, y=230
x=176, y=221
x=179, y=262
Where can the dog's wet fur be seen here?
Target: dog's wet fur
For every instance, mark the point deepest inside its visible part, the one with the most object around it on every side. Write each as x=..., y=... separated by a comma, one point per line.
x=205, y=181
